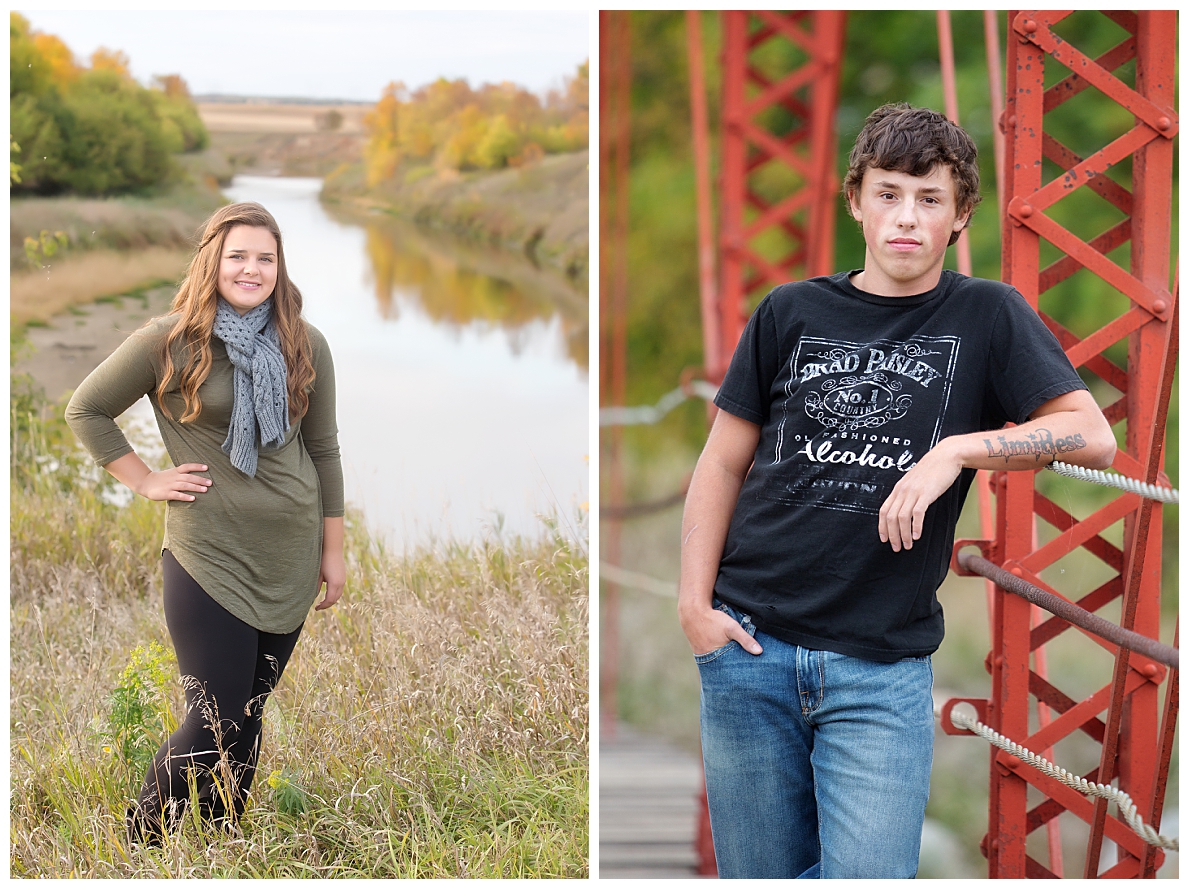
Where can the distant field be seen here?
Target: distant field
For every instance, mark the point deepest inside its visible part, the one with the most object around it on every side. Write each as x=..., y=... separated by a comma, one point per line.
x=251, y=117
x=283, y=139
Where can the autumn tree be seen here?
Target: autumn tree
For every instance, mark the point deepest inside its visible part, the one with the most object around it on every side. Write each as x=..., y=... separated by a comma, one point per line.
x=104, y=59
x=29, y=72
x=172, y=85
x=450, y=126
x=91, y=130
x=381, y=153
x=60, y=59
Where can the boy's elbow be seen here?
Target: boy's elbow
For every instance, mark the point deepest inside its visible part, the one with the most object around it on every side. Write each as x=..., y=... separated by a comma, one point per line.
x=1105, y=455
x=1101, y=447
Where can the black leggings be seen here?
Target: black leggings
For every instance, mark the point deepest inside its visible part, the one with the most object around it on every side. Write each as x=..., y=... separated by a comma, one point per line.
x=229, y=670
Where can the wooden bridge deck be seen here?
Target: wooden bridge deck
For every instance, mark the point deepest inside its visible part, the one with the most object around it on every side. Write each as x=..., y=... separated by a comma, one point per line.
x=648, y=807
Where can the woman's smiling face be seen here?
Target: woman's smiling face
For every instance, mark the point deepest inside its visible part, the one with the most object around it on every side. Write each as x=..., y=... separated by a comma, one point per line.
x=247, y=267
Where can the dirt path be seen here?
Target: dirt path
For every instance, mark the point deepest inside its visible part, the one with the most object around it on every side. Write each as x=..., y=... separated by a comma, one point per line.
x=60, y=356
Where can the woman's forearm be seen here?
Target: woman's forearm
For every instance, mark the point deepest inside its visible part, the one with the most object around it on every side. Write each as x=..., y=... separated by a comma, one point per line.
x=129, y=470
x=334, y=569
x=332, y=535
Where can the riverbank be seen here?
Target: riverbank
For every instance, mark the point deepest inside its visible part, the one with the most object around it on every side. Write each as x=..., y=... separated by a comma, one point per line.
x=58, y=354
x=64, y=334
x=540, y=210
x=80, y=283
x=109, y=247
x=104, y=247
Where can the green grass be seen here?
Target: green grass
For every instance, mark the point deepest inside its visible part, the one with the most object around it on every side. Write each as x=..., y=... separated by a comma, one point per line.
x=433, y=724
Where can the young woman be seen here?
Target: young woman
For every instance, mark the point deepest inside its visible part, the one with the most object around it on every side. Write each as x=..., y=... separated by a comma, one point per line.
x=243, y=392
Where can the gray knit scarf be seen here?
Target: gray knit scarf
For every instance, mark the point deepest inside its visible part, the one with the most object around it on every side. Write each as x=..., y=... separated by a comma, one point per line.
x=261, y=396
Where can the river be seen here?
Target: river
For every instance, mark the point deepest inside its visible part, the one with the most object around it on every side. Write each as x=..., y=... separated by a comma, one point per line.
x=461, y=374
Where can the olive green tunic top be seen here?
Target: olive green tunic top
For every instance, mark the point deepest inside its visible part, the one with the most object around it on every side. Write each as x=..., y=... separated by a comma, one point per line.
x=254, y=544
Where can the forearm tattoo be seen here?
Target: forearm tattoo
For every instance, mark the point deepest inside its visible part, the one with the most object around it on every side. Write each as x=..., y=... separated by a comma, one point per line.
x=1036, y=444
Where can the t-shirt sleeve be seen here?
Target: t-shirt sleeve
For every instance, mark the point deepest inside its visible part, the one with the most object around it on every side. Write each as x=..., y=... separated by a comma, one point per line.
x=1027, y=365
x=746, y=387
x=109, y=390
x=320, y=431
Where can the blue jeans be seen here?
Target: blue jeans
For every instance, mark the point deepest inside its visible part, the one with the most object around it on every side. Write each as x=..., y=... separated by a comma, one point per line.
x=817, y=764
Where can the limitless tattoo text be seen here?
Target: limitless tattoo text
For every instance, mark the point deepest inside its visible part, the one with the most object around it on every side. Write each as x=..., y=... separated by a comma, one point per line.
x=1037, y=444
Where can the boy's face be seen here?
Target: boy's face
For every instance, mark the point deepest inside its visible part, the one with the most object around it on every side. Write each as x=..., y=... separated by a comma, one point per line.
x=907, y=222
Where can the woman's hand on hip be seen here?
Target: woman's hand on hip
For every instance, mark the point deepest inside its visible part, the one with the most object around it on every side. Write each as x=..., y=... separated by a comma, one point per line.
x=177, y=483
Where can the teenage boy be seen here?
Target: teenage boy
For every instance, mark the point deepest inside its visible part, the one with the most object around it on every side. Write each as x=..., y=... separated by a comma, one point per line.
x=820, y=519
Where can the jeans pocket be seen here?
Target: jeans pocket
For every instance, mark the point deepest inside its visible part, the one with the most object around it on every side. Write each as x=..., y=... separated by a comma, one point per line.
x=744, y=620
x=706, y=658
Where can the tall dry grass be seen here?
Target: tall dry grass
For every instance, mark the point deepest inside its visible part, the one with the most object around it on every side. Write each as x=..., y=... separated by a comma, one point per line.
x=170, y=219
x=433, y=724
x=110, y=245
x=79, y=278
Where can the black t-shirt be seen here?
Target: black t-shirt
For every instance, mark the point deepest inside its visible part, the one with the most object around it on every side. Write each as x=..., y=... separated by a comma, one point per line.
x=850, y=390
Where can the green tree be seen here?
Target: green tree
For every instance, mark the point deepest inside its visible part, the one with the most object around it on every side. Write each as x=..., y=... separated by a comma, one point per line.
x=499, y=143
x=14, y=169
x=96, y=130
x=35, y=128
x=115, y=141
x=183, y=128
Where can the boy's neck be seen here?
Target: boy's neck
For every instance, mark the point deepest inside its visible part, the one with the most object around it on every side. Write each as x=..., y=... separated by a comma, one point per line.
x=870, y=280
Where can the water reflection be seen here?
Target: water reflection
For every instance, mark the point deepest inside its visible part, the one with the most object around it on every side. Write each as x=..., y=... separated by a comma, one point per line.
x=458, y=285
x=461, y=372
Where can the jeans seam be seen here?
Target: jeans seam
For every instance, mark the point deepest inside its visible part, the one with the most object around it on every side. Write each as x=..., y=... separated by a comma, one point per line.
x=821, y=855
x=821, y=679
x=801, y=696
x=807, y=711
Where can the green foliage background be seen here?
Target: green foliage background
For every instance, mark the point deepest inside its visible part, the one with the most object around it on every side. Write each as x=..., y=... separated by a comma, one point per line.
x=95, y=132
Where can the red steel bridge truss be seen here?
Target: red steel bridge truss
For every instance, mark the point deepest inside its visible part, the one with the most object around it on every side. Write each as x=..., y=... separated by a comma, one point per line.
x=784, y=118
x=1124, y=716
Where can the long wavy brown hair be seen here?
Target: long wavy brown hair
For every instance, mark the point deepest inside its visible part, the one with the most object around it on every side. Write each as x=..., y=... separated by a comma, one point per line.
x=195, y=305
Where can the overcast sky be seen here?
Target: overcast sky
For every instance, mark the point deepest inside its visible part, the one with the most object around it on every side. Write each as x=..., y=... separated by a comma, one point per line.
x=329, y=55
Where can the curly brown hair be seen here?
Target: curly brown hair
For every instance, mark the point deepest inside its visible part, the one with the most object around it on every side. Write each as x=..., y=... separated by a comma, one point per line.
x=910, y=140
x=195, y=305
